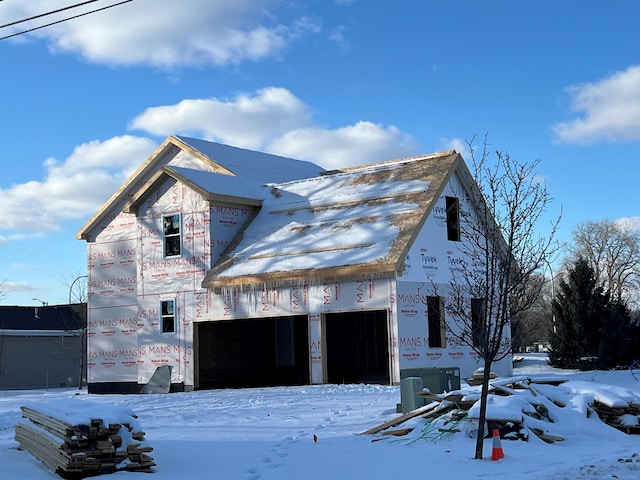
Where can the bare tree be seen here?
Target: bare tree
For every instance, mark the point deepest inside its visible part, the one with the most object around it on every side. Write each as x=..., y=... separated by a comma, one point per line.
x=78, y=288
x=78, y=293
x=534, y=325
x=499, y=235
x=612, y=249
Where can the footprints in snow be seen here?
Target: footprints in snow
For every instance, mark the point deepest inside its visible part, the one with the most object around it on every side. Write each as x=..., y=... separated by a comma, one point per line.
x=277, y=454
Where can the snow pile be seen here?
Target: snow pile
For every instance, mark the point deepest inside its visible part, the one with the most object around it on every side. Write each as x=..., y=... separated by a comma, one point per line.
x=268, y=433
x=517, y=406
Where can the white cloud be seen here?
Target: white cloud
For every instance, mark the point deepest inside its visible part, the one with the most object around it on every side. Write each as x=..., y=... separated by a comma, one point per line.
x=338, y=36
x=75, y=187
x=608, y=110
x=457, y=144
x=16, y=287
x=166, y=33
x=363, y=142
x=629, y=223
x=246, y=121
x=271, y=119
x=274, y=120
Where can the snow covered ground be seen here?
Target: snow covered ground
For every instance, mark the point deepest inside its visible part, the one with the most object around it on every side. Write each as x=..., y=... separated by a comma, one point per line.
x=268, y=434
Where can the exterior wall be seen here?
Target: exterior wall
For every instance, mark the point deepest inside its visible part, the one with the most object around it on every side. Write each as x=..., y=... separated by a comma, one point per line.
x=429, y=266
x=313, y=299
x=129, y=277
x=41, y=361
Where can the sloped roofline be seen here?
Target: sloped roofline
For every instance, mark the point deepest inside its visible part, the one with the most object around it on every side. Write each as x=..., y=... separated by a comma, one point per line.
x=386, y=269
x=458, y=165
x=128, y=187
x=166, y=172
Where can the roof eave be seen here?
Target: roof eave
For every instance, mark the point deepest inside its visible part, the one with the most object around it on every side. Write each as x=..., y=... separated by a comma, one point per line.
x=85, y=232
x=312, y=275
x=133, y=205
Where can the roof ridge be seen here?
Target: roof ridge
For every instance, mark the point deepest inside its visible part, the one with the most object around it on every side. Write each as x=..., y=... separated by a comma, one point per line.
x=368, y=166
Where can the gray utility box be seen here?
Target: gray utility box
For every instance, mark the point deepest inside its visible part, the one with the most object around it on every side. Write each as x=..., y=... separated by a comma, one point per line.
x=437, y=380
x=409, y=401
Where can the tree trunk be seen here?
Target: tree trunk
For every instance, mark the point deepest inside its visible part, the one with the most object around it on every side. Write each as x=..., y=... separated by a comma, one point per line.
x=483, y=409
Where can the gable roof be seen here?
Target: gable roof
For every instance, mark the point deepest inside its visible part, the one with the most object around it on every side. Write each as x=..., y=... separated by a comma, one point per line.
x=206, y=156
x=244, y=163
x=213, y=187
x=351, y=222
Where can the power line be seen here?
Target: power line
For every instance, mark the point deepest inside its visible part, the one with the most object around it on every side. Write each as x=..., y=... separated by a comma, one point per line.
x=63, y=20
x=48, y=13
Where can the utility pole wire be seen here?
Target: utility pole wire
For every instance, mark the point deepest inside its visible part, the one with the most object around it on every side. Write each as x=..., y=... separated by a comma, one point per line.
x=65, y=19
x=48, y=13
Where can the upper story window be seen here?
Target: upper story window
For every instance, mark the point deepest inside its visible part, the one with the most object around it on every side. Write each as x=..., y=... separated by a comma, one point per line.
x=168, y=316
x=171, y=229
x=453, y=219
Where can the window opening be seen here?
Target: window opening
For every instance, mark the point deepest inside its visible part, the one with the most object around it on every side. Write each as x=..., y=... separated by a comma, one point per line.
x=168, y=316
x=435, y=318
x=478, y=326
x=172, y=237
x=453, y=218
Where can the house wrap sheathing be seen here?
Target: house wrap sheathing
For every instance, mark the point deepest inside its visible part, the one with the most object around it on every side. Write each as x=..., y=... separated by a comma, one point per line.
x=239, y=268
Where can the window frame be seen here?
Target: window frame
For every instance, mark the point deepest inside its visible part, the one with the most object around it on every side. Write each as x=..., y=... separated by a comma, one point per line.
x=478, y=321
x=171, y=235
x=167, y=316
x=452, y=210
x=436, y=326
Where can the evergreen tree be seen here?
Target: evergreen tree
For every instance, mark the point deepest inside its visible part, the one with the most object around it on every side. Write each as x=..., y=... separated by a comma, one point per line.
x=579, y=309
x=615, y=347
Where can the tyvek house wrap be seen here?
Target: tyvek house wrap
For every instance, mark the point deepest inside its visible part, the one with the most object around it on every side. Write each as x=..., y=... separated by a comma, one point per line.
x=128, y=278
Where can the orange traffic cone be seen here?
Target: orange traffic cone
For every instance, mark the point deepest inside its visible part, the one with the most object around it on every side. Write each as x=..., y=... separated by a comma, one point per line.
x=496, y=453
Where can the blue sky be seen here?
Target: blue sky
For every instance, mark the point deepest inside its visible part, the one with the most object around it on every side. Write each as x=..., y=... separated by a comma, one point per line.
x=338, y=82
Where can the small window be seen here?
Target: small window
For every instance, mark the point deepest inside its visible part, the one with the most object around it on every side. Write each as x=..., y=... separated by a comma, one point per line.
x=478, y=315
x=168, y=316
x=172, y=237
x=435, y=318
x=453, y=219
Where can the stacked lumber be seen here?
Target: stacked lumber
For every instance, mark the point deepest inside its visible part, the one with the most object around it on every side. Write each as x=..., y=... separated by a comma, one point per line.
x=623, y=417
x=89, y=447
x=533, y=397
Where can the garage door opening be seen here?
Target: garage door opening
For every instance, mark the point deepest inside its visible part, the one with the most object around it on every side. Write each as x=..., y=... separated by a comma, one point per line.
x=357, y=347
x=253, y=352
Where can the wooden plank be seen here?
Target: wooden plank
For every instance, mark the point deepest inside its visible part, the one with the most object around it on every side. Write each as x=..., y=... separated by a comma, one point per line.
x=398, y=420
x=81, y=450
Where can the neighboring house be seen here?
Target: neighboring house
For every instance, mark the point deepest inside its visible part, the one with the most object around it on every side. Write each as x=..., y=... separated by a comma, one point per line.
x=239, y=268
x=41, y=347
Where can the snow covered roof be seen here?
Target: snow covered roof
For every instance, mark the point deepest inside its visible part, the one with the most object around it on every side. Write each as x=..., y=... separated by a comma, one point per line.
x=264, y=167
x=206, y=156
x=214, y=187
x=349, y=222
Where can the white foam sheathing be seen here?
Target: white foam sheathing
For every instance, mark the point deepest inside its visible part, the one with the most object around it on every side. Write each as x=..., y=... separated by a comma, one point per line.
x=129, y=278
x=431, y=262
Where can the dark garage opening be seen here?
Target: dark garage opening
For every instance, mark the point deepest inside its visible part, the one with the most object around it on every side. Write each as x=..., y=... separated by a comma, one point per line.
x=253, y=352
x=357, y=346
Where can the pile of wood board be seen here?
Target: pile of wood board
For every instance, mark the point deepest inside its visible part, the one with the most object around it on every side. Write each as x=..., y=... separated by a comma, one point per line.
x=81, y=439
x=623, y=417
x=525, y=411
